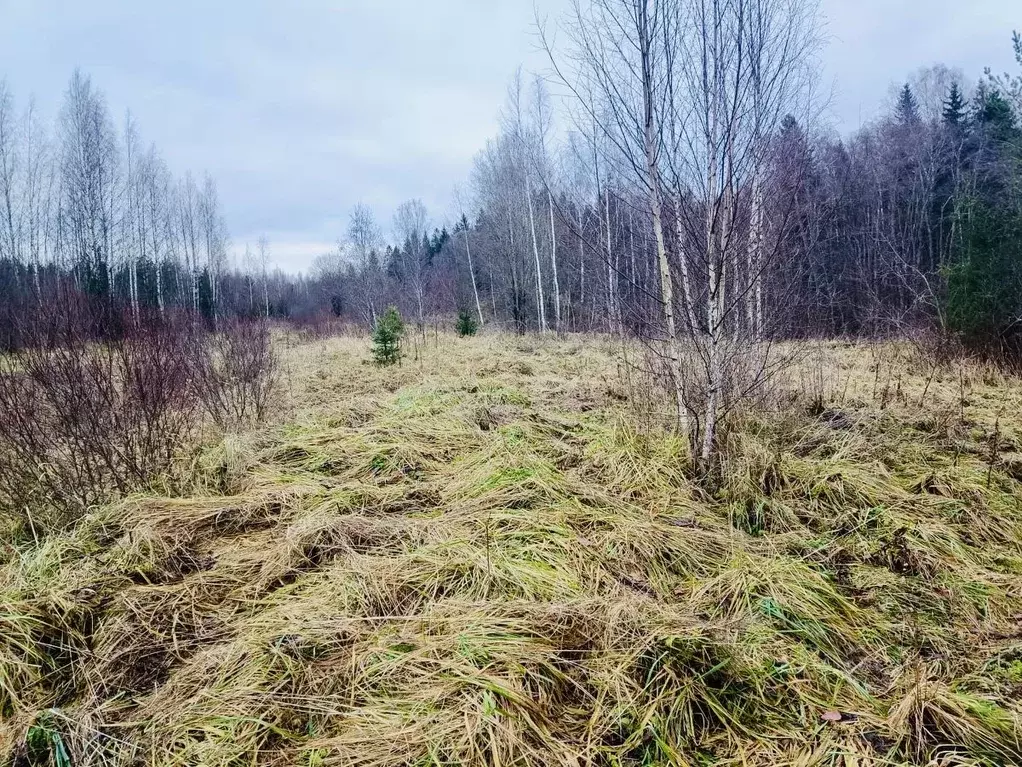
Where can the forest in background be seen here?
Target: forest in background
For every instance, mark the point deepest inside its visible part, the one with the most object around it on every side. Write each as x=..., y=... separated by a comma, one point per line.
x=912, y=221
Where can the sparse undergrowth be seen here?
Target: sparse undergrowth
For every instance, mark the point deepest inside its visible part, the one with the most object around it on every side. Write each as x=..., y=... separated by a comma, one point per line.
x=486, y=558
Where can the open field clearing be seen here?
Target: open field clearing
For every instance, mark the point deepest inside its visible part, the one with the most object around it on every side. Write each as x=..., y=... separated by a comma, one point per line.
x=493, y=555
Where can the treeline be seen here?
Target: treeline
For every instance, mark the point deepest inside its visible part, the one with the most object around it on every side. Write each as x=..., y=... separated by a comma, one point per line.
x=910, y=221
x=88, y=210
x=698, y=203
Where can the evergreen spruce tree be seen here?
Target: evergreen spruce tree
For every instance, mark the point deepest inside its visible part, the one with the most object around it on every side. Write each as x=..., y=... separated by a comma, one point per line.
x=984, y=283
x=387, y=338
x=466, y=324
x=954, y=107
x=907, y=109
x=996, y=117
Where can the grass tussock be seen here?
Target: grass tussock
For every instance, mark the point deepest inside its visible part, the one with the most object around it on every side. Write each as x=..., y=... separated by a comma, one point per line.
x=484, y=557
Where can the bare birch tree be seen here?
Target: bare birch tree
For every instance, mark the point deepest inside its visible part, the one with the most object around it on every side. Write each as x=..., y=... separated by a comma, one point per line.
x=11, y=181
x=525, y=150
x=612, y=69
x=684, y=92
x=541, y=124
x=213, y=234
x=263, y=255
x=88, y=169
x=410, y=225
x=468, y=253
x=364, y=239
x=742, y=65
x=38, y=194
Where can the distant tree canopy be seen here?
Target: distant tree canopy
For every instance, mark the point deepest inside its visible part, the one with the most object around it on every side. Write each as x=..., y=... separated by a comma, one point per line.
x=911, y=220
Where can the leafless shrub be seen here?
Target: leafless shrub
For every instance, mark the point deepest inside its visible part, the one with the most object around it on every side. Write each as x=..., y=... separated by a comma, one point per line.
x=83, y=417
x=236, y=374
x=748, y=379
x=80, y=419
x=323, y=325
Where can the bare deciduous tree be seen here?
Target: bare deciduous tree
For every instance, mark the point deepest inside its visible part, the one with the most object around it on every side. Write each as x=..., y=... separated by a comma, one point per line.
x=364, y=239
x=685, y=92
x=410, y=225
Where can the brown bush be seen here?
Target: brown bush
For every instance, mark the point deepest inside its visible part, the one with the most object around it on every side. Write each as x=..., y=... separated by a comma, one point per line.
x=236, y=377
x=81, y=418
x=94, y=405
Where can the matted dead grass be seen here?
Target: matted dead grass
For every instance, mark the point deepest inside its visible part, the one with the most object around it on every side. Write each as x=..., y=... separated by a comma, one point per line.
x=485, y=557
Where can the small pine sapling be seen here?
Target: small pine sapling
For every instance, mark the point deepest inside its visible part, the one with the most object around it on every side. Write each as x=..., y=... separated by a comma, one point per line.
x=387, y=338
x=466, y=324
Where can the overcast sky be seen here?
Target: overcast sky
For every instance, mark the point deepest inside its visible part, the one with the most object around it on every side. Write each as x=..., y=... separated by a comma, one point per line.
x=302, y=108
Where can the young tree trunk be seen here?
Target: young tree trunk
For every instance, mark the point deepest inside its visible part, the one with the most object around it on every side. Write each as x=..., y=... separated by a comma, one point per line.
x=159, y=285
x=133, y=281
x=581, y=260
x=472, y=274
x=714, y=293
x=553, y=263
x=666, y=283
x=754, y=297
x=493, y=294
x=195, y=285
x=535, y=250
x=178, y=290
x=649, y=131
x=686, y=283
x=632, y=275
x=713, y=312
x=612, y=307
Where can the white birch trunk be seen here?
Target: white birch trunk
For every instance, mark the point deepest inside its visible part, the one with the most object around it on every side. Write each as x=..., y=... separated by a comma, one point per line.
x=535, y=250
x=611, y=293
x=754, y=299
x=472, y=274
x=686, y=282
x=581, y=260
x=553, y=263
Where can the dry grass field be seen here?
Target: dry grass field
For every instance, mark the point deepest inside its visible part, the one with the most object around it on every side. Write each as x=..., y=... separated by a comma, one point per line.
x=494, y=555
